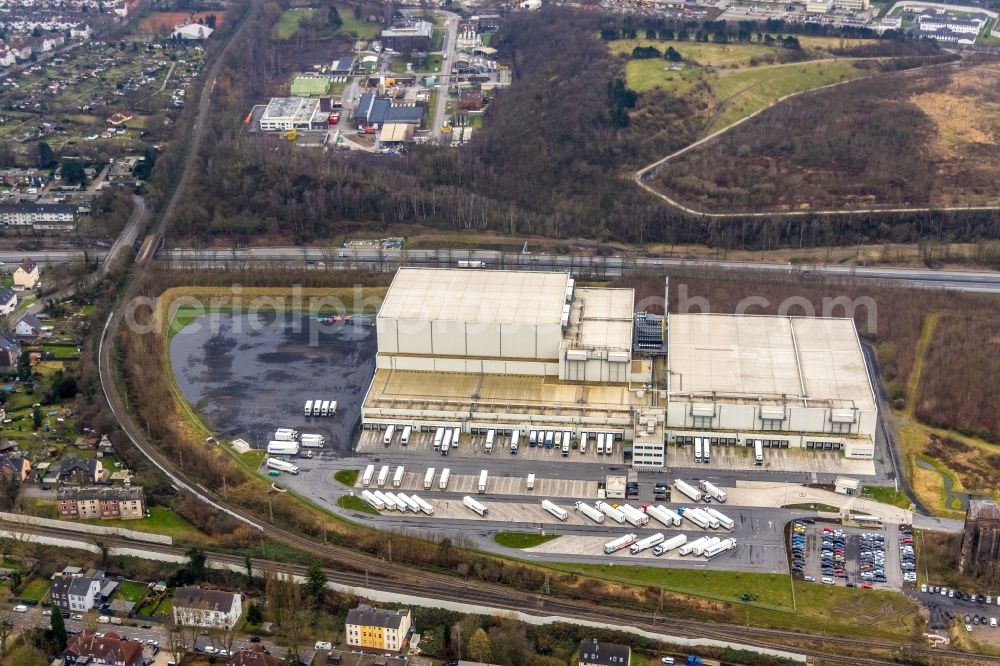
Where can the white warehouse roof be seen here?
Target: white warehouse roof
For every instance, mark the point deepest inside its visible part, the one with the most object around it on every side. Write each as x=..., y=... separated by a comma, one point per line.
x=746, y=357
x=473, y=295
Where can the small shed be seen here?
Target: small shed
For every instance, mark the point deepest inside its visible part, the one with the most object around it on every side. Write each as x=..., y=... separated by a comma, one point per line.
x=845, y=485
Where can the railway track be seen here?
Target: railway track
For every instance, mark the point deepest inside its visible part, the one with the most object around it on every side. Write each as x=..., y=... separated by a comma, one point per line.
x=372, y=572
x=543, y=606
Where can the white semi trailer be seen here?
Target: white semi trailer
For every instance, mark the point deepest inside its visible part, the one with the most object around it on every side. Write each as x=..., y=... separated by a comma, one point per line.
x=719, y=548
x=646, y=544
x=619, y=544
x=397, y=478
x=366, y=478
x=390, y=503
x=311, y=441
x=670, y=544
x=713, y=522
x=424, y=506
x=713, y=491
x=408, y=501
x=372, y=501
x=664, y=515
x=286, y=435
x=699, y=550
x=689, y=547
x=556, y=511
x=471, y=503
x=400, y=504
x=484, y=477
x=633, y=515
x=590, y=512
x=277, y=448
x=725, y=521
x=282, y=466
x=694, y=517
x=443, y=481
x=689, y=490
x=611, y=512
x=383, y=476
x=429, y=478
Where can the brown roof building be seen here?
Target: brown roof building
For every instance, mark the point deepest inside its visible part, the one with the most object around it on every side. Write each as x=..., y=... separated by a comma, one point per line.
x=88, y=648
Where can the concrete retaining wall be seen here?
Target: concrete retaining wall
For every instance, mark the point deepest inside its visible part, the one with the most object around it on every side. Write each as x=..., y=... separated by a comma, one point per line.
x=83, y=527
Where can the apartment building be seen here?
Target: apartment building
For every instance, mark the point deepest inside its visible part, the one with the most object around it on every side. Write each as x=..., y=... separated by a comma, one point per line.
x=123, y=503
x=381, y=629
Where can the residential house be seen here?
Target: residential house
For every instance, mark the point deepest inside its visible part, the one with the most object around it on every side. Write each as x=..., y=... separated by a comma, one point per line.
x=596, y=653
x=28, y=326
x=80, y=472
x=341, y=658
x=10, y=352
x=197, y=607
x=91, y=648
x=381, y=629
x=76, y=593
x=125, y=503
x=15, y=465
x=8, y=301
x=26, y=274
x=255, y=655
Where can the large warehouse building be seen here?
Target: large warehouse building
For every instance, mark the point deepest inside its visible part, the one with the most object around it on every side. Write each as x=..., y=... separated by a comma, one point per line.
x=524, y=350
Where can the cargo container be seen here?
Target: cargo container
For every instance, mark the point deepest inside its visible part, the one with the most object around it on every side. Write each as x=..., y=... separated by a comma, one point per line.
x=590, y=512
x=719, y=548
x=424, y=506
x=619, y=544
x=611, y=512
x=689, y=547
x=455, y=434
x=429, y=478
x=389, y=432
x=483, y=478
x=600, y=443
x=556, y=511
x=706, y=453
x=663, y=515
x=713, y=491
x=633, y=515
x=286, y=435
x=397, y=478
x=670, y=544
x=372, y=501
x=583, y=442
x=693, y=516
x=699, y=550
x=609, y=443
x=646, y=544
x=325, y=408
x=531, y=481
x=533, y=439
x=366, y=479
x=490, y=435
x=565, y=448
x=317, y=404
x=688, y=490
x=443, y=481
x=383, y=476
x=281, y=465
x=404, y=439
x=309, y=408
x=471, y=503
x=725, y=521
x=446, y=442
x=438, y=438
x=390, y=504
x=400, y=504
x=758, y=452
x=567, y=438
x=275, y=448
x=697, y=449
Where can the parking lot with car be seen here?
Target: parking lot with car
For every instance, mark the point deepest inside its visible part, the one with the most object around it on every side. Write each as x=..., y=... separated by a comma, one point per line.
x=834, y=555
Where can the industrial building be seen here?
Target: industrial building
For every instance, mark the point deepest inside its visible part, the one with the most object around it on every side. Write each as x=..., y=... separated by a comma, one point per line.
x=418, y=36
x=286, y=113
x=525, y=350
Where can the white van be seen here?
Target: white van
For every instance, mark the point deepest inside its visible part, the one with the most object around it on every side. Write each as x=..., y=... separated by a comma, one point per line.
x=826, y=580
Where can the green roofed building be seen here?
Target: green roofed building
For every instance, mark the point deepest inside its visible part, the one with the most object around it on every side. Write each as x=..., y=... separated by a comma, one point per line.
x=310, y=86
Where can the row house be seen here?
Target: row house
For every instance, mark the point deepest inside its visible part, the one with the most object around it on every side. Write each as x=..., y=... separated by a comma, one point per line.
x=124, y=503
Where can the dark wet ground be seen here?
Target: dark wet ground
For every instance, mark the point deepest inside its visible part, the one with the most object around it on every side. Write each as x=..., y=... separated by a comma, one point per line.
x=249, y=374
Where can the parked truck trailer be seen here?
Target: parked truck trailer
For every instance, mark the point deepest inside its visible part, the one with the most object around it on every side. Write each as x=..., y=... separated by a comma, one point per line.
x=483, y=479
x=282, y=466
x=286, y=435
x=725, y=521
x=555, y=510
x=633, y=515
x=646, y=544
x=664, y=515
x=590, y=512
x=713, y=491
x=428, y=478
x=397, y=478
x=276, y=448
x=689, y=490
x=443, y=481
x=693, y=516
x=689, y=547
x=719, y=548
x=620, y=543
x=383, y=476
x=611, y=512
x=699, y=550
x=424, y=506
x=471, y=503
x=372, y=501
x=366, y=478
x=311, y=441
x=670, y=544
x=400, y=504
x=390, y=503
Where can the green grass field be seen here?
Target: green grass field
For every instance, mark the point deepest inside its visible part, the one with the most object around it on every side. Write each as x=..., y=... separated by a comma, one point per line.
x=289, y=23
x=361, y=29
x=161, y=521
x=813, y=507
x=129, y=590
x=355, y=503
x=347, y=477
x=888, y=496
x=706, y=54
x=742, y=93
x=839, y=610
x=36, y=590
x=522, y=539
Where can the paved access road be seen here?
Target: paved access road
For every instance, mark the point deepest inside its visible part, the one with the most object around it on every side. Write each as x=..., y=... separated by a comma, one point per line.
x=444, y=78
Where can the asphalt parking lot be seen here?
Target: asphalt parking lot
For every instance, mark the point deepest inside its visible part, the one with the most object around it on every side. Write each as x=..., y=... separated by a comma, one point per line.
x=473, y=446
x=247, y=375
x=849, y=555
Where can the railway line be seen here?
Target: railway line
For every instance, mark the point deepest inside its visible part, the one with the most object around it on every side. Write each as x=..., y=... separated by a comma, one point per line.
x=538, y=605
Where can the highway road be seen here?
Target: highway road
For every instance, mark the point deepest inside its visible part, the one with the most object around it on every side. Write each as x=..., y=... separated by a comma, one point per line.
x=389, y=260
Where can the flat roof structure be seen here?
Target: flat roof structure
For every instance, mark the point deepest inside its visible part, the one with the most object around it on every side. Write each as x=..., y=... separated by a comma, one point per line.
x=482, y=296
x=284, y=113
x=396, y=133
x=805, y=360
x=600, y=319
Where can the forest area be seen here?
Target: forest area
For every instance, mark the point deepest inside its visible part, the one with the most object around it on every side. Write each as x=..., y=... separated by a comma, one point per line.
x=808, y=152
x=956, y=388
x=554, y=158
